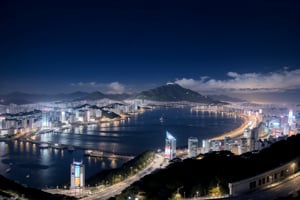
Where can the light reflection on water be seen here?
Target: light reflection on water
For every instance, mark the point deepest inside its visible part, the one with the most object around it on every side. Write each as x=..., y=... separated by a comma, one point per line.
x=46, y=167
x=130, y=136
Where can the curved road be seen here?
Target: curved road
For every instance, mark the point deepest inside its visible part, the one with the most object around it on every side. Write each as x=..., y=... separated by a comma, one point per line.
x=115, y=189
x=288, y=186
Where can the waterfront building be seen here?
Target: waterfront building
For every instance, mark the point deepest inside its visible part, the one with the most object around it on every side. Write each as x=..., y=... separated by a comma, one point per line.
x=290, y=117
x=254, y=139
x=77, y=175
x=205, y=146
x=2, y=121
x=227, y=143
x=46, y=120
x=63, y=117
x=242, y=148
x=170, y=148
x=192, y=147
x=216, y=145
x=247, y=133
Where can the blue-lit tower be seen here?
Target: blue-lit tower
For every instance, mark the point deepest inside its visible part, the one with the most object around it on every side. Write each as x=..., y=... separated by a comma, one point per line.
x=77, y=175
x=170, y=148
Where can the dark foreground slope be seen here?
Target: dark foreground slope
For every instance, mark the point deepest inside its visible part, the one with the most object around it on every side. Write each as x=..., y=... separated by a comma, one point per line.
x=214, y=170
x=9, y=188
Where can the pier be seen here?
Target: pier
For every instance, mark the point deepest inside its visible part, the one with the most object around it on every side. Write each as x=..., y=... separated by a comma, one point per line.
x=88, y=152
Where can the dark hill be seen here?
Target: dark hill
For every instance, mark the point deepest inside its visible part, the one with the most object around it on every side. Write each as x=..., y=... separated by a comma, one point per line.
x=174, y=92
x=215, y=169
x=10, y=189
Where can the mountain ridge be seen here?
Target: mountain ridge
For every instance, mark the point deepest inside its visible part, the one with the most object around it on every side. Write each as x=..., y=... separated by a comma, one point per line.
x=170, y=92
x=174, y=92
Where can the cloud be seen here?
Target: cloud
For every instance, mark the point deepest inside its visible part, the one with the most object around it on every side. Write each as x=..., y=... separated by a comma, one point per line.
x=84, y=84
x=278, y=81
x=110, y=88
x=116, y=87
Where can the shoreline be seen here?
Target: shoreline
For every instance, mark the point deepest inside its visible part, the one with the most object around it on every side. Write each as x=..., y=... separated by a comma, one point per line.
x=28, y=136
x=235, y=132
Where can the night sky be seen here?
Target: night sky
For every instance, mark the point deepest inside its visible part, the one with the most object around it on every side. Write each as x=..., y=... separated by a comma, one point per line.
x=127, y=46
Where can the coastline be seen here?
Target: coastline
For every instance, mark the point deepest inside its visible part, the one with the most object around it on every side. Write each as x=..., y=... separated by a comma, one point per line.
x=238, y=131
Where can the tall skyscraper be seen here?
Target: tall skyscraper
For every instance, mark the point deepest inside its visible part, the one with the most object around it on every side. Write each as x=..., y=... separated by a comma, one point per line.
x=170, y=148
x=63, y=116
x=2, y=119
x=242, y=148
x=290, y=118
x=227, y=143
x=192, y=147
x=253, y=139
x=205, y=146
x=77, y=175
x=46, y=120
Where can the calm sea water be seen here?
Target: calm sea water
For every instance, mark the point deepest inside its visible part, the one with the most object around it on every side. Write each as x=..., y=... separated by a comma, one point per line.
x=51, y=167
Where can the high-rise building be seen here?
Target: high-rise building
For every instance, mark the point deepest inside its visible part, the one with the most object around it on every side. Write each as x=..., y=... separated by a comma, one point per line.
x=63, y=117
x=192, y=147
x=290, y=119
x=205, y=146
x=46, y=120
x=77, y=175
x=2, y=120
x=227, y=143
x=253, y=139
x=170, y=148
x=242, y=148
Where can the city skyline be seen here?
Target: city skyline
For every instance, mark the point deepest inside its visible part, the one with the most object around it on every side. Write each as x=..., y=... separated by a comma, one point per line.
x=238, y=48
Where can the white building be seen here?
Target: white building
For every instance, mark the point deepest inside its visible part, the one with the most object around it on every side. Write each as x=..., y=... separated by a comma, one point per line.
x=170, y=148
x=192, y=147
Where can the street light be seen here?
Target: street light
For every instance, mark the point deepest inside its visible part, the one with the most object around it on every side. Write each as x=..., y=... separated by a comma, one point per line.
x=179, y=189
x=293, y=167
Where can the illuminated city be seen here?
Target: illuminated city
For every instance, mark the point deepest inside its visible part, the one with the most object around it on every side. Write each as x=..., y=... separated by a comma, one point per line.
x=143, y=100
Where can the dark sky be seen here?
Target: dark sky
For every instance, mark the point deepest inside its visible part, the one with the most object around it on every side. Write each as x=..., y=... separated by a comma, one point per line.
x=124, y=46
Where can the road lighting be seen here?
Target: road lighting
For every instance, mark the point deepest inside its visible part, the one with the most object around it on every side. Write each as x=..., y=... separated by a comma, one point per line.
x=179, y=189
x=178, y=195
x=293, y=167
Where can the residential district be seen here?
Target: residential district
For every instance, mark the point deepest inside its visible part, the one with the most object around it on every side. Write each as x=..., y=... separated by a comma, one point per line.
x=263, y=125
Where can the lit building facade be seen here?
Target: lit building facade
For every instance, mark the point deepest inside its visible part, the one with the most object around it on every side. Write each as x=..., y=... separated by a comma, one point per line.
x=243, y=147
x=227, y=143
x=192, y=147
x=205, y=146
x=170, y=148
x=77, y=175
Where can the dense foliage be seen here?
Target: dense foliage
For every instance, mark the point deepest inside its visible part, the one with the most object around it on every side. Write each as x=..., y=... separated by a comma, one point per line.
x=9, y=188
x=211, y=174
x=111, y=176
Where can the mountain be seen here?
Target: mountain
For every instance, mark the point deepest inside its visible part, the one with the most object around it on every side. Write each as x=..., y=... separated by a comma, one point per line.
x=92, y=96
x=70, y=96
x=26, y=98
x=174, y=92
x=22, y=98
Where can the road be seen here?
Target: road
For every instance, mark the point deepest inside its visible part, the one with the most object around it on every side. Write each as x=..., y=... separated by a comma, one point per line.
x=240, y=130
x=288, y=186
x=115, y=189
